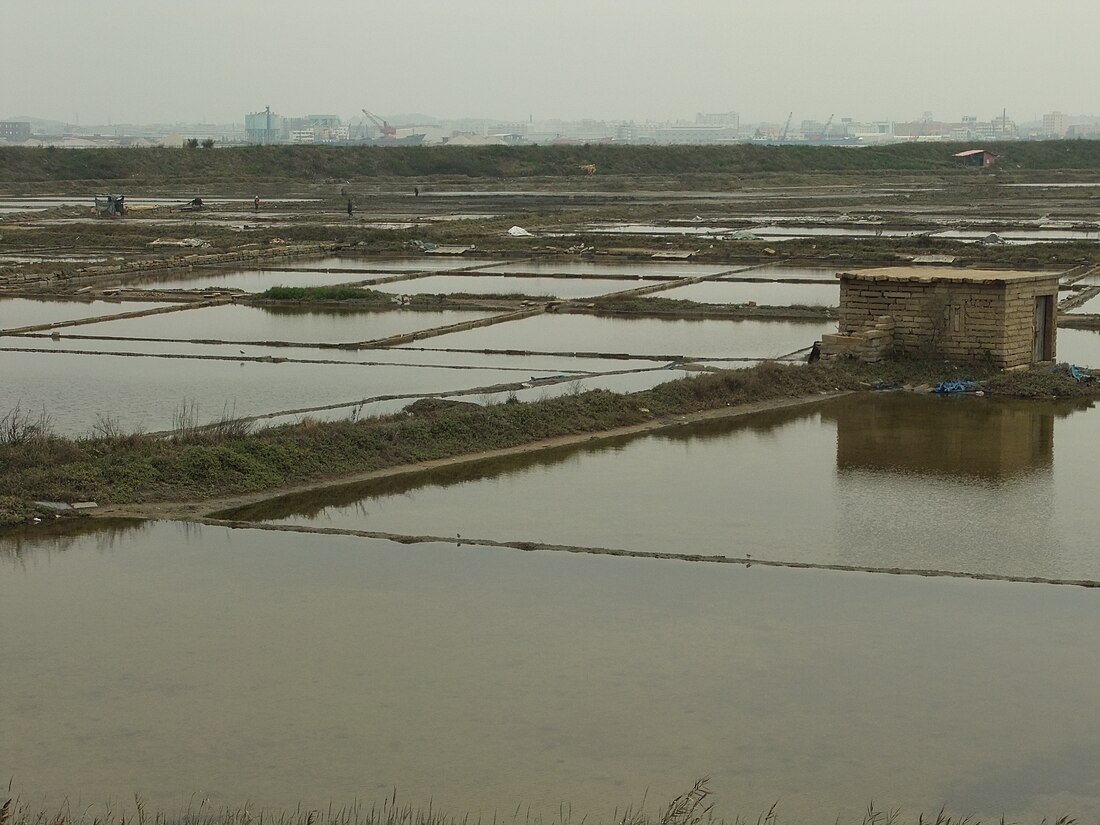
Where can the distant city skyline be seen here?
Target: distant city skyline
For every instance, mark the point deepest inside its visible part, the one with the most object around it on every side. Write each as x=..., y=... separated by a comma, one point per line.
x=145, y=61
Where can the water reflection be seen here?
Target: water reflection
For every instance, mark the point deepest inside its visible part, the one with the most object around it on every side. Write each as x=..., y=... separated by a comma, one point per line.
x=968, y=485
x=24, y=544
x=285, y=668
x=986, y=438
x=965, y=484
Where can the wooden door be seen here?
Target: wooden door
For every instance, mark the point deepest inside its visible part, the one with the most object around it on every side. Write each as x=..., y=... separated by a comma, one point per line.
x=1044, y=320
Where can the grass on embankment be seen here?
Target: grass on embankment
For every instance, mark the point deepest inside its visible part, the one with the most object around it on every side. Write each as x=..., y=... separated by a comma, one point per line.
x=308, y=294
x=198, y=463
x=314, y=163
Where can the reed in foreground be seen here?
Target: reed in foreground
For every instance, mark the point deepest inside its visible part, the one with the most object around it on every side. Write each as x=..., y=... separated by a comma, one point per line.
x=693, y=807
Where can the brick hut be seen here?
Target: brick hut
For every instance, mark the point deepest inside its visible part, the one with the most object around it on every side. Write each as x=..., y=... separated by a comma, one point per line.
x=1006, y=318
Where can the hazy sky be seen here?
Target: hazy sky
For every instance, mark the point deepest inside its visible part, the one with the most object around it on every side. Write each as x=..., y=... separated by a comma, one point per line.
x=214, y=60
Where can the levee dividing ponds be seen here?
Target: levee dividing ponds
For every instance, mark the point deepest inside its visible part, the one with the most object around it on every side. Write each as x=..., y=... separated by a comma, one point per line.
x=135, y=361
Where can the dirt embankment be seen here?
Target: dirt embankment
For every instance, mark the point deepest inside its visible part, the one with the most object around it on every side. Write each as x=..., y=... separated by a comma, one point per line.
x=189, y=474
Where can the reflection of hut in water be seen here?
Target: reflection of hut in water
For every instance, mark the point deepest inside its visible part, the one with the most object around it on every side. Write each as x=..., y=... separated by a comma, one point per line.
x=954, y=437
x=960, y=484
x=1006, y=318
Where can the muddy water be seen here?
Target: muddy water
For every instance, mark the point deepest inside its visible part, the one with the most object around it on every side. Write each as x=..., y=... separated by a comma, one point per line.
x=238, y=666
x=24, y=312
x=1079, y=346
x=771, y=294
x=889, y=480
x=145, y=393
x=423, y=356
x=484, y=283
x=637, y=269
x=408, y=264
x=250, y=280
x=291, y=324
x=589, y=333
x=817, y=273
x=1021, y=235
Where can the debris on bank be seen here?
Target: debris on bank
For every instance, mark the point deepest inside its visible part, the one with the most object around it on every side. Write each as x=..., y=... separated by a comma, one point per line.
x=955, y=385
x=113, y=206
x=178, y=243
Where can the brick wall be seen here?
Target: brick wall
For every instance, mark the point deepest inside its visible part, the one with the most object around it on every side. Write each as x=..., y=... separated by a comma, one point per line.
x=963, y=320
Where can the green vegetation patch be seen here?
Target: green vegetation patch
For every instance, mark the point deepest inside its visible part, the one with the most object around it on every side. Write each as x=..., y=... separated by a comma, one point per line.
x=323, y=293
x=310, y=163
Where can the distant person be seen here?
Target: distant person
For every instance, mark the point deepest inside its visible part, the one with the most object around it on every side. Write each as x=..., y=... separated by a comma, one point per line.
x=349, y=207
x=256, y=204
x=416, y=191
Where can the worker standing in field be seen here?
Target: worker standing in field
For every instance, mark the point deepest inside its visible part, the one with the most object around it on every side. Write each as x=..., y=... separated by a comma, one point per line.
x=349, y=207
x=256, y=204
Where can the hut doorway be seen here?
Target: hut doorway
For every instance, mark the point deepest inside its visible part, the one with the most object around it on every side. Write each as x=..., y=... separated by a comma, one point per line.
x=1042, y=349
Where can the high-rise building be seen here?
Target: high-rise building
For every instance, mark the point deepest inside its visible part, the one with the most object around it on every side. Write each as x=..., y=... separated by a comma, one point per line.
x=1055, y=125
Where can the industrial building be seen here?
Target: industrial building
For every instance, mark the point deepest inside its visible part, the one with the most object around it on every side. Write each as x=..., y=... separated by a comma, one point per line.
x=14, y=131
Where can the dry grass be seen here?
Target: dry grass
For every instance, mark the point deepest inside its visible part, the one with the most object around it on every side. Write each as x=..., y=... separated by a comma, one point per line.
x=693, y=807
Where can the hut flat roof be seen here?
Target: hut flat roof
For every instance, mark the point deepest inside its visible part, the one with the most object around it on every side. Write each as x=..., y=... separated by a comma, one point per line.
x=945, y=274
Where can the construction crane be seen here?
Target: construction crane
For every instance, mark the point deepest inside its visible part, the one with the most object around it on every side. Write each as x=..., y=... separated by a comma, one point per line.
x=825, y=131
x=388, y=132
x=786, y=126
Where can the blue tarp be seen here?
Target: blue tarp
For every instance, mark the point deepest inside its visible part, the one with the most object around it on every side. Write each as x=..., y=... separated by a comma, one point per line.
x=955, y=385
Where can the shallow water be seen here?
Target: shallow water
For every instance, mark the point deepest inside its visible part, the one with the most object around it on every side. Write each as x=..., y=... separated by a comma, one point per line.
x=863, y=480
x=485, y=284
x=1079, y=346
x=25, y=312
x=769, y=294
x=419, y=354
x=1017, y=235
x=635, y=269
x=407, y=264
x=291, y=324
x=1089, y=307
x=250, y=280
x=780, y=272
x=188, y=663
x=643, y=336
x=145, y=393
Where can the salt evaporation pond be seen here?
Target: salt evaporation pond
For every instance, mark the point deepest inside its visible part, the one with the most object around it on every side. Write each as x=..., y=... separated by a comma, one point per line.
x=865, y=480
x=642, y=336
x=781, y=272
x=26, y=312
x=291, y=324
x=187, y=663
x=249, y=280
x=485, y=284
x=1020, y=235
x=629, y=269
x=145, y=393
x=1079, y=346
x=409, y=264
x=1089, y=307
x=768, y=294
x=415, y=357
